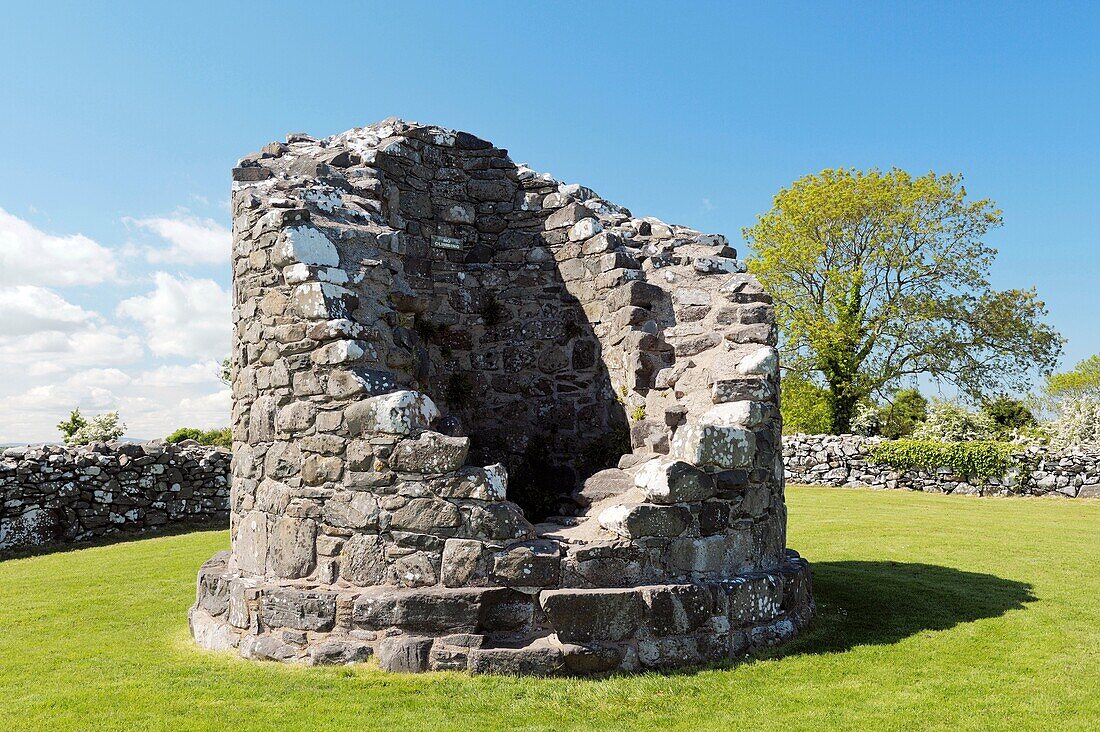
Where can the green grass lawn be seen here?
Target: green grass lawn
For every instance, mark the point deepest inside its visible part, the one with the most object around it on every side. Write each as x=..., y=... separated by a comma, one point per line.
x=935, y=612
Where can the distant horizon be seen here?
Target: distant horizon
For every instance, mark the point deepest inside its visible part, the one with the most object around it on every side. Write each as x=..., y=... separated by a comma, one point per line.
x=114, y=218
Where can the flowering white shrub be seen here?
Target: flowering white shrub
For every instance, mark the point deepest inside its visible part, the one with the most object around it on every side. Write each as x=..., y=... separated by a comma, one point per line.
x=867, y=420
x=1078, y=423
x=101, y=428
x=950, y=422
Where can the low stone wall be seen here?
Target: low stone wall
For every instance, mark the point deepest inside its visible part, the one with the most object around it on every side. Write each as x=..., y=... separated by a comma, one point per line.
x=842, y=460
x=53, y=494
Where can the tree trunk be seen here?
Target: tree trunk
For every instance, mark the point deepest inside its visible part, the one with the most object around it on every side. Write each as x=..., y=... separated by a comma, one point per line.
x=842, y=404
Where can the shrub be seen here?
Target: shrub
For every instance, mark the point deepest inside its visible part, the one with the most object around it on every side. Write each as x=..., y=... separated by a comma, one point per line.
x=803, y=406
x=950, y=422
x=101, y=428
x=977, y=458
x=222, y=437
x=1009, y=414
x=184, y=433
x=904, y=414
x=867, y=420
x=72, y=425
x=1078, y=423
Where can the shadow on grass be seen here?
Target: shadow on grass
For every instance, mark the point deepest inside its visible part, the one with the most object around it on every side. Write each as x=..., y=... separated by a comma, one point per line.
x=122, y=537
x=879, y=603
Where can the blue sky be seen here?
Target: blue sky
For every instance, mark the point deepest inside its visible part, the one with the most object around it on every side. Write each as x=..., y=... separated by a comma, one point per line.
x=119, y=126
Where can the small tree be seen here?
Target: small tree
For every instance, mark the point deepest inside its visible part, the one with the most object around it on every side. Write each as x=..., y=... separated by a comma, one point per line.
x=1074, y=397
x=101, y=428
x=1010, y=415
x=72, y=425
x=905, y=413
x=184, y=433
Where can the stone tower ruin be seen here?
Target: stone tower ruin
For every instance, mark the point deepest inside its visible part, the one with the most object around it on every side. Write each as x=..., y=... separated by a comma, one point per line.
x=423, y=330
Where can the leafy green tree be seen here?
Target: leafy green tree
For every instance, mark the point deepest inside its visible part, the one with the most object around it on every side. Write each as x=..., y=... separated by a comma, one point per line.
x=72, y=425
x=906, y=411
x=803, y=405
x=1083, y=381
x=881, y=276
x=222, y=437
x=1074, y=398
x=1009, y=414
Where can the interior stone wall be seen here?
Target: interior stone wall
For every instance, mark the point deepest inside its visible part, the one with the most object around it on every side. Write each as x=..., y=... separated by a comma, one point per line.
x=424, y=329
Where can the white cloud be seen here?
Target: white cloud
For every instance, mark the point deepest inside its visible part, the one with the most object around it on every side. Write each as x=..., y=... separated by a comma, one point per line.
x=192, y=240
x=203, y=372
x=106, y=378
x=30, y=256
x=56, y=354
x=183, y=317
x=29, y=309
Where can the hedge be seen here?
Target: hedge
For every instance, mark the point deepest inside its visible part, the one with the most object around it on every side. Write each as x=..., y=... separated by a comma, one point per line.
x=972, y=459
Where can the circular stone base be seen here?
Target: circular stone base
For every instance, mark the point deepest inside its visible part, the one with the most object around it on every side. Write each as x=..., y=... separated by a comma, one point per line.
x=502, y=630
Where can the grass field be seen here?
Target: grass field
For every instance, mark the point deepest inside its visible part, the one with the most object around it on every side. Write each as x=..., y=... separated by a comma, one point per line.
x=935, y=612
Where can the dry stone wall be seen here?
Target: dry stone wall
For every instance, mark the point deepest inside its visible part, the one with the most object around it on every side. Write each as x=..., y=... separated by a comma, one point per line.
x=53, y=494
x=843, y=460
x=423, y=330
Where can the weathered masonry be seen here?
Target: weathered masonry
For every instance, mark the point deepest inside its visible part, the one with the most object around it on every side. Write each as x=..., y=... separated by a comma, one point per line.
x=424, y=330
x=51, y=494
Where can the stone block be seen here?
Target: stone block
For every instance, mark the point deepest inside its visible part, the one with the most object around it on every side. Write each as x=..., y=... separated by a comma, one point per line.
x=426, y=515
x=351, y=510
x=339, y=652
x=714, y=446
x=482, y=484
x=430, y=452
x=537, y=659
x=398, y=413
x=298, y=609
x=635, y=520
x=751, y=600
x=426, y=610
x=582, y=616
x=666, y=481
x=363, y=560
x=677, y=609
x=404, y=654
x=591, y=658
x=527, y=564
x=465, y=563
x=291, y=547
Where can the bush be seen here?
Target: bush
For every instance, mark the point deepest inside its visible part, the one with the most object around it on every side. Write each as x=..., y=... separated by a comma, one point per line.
x=70, y=426
x=1078, y=423
x=803, y=406
x=184, y=433
x=950, y=422
x=906, y=410
x=1008, y=414
x=904, y=415
x=978, y=458
x=220, y=437
x=101, y=428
